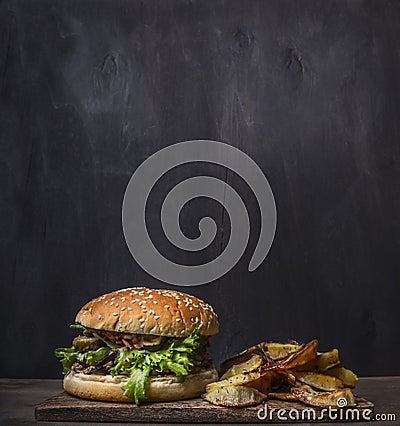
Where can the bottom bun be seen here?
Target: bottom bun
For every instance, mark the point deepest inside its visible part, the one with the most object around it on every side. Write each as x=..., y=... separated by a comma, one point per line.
x=158, y=388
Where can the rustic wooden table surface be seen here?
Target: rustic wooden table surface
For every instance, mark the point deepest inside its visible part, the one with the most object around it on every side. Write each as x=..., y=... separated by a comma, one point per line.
x=19, y=397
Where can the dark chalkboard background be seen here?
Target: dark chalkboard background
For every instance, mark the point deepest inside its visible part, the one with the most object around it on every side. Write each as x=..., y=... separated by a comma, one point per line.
x=309, y=89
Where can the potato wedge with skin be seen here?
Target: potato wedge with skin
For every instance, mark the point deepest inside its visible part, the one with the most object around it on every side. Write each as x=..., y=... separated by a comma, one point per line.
x=260, y=349
x=348, y=378
x=322, y=362
x=244, y=367
x=306, y=388
x=238, y=380
x=235, y=396
x=263, y=383
x=286, y=395
x=339, y=398
x=282, y=396
x=296, y=359
x=285, y=376
x=316, y=379
x=281, y=350
x=319, y=381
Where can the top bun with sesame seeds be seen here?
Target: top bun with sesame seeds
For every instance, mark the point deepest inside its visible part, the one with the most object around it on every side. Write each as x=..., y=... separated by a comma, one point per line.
x=141, y=310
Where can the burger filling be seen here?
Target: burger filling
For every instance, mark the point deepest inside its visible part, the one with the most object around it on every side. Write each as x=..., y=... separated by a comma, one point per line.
x=137, y=356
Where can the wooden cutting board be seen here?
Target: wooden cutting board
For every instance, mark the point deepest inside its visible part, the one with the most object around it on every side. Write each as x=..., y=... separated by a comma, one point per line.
x=64, y=407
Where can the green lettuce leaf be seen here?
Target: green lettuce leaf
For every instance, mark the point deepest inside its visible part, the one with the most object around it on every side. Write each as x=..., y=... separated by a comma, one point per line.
x=68, y=358
x=138, y=363
x=92, y=357
x=77, y=327
x=135, y=388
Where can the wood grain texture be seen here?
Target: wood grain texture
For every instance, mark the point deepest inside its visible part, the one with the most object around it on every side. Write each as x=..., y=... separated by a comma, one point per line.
x=64, y=407
x=18, y=398
x=310, y=90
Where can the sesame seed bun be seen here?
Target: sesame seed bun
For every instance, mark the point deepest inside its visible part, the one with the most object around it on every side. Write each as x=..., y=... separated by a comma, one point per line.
x=142, y=310
x=160, y=388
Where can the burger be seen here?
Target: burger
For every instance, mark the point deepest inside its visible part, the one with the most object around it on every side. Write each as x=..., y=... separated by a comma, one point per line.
x=140, y=344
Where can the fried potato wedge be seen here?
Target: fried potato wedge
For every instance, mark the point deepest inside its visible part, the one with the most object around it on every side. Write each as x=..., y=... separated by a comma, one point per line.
x=235, y=396
x=313, y=378
x=244, y=367
x=319, y=380
x=260, y=349
x=322, y=362
x=238, y=380
x=348, y=378
x=306, y=388
x=263, y=383
x=285, y=376
x=281, y=350
x=282, y=396
x=338, y=398
x=307, y=353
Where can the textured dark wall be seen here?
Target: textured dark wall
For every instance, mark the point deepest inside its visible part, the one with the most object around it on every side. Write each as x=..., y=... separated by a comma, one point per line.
x=309, y=89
